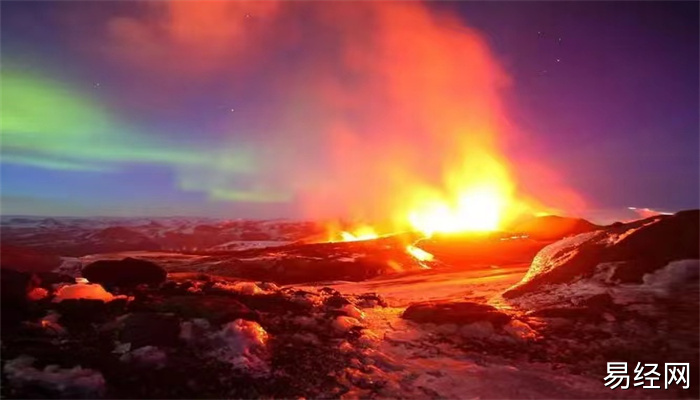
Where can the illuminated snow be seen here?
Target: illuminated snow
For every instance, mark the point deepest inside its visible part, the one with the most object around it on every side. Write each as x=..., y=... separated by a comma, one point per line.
x=344, y=324
x=242, y=344
x=83, y=291
x=245, y=288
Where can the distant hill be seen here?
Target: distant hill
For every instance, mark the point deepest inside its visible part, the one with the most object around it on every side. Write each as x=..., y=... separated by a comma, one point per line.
x=552, y=227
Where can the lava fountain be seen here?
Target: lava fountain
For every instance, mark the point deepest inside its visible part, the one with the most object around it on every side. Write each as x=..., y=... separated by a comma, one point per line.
x=414, y=125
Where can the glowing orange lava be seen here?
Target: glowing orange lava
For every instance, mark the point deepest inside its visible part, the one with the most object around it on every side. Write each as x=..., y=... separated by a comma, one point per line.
x=365, y=232
x=353, y=235
x=476, y=196
x=475, y=209
x=419, y=254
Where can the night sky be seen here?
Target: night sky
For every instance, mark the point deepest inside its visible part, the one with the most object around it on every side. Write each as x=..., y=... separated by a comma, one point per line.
x=267, y=110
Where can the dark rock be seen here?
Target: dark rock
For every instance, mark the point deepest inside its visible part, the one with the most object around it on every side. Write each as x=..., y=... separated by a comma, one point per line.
x=598, y=302
x=455, y=313
x=369, y=300
x=328, y=290
x=653, y=246
x=215, y=309
x=82, y=311
x=129, y=272
x=48, y=279
x=173, y=288
x=143, y=329
x=336, y=301
x=15, y=286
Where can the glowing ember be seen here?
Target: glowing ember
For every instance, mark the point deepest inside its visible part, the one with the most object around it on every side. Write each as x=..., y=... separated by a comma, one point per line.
x=419, y=254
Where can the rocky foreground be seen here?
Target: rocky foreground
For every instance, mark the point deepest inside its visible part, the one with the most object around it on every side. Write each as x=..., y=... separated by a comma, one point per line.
x=493, y=327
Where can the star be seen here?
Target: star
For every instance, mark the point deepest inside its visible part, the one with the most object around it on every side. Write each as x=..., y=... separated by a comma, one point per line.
x=558, y=59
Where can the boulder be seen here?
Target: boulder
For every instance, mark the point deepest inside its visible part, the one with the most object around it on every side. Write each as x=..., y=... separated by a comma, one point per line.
x=459, y=313
x=16, y=285
x=78, y=312
x=129, y=272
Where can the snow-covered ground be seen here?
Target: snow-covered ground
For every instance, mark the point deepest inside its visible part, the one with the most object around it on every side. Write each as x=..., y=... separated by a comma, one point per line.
x=415, y=365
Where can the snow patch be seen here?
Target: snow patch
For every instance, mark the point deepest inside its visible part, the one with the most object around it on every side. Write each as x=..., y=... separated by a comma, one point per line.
x=614, y=239
x=194, y=329
x=560, y=252
x=50, y=323
x=520, y=330
x=344, y=324
x=243, y=344
x=244, y=288
x=70, y=266
x=677, y=273
x=661, y=283
x=69, y=382
x=353, y=312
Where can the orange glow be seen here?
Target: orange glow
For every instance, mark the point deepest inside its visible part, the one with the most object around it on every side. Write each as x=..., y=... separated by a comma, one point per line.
x=419, y=254
x=477, y=196
x=478, y=209
x=363, y=232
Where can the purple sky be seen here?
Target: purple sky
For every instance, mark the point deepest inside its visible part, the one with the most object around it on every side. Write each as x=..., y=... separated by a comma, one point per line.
x=128, y=108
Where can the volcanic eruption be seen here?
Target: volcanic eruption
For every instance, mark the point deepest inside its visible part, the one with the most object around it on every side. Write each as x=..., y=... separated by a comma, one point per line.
x=408, y=111
x=346, y=200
